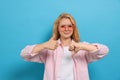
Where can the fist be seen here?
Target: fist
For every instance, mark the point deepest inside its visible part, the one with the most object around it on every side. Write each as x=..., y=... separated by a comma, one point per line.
x=75, y=47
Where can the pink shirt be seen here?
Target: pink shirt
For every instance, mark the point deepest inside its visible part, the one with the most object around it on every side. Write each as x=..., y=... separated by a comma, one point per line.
x=52, y=60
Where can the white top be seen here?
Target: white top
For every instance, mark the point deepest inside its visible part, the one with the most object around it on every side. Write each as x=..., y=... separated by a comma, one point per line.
x=66, y=70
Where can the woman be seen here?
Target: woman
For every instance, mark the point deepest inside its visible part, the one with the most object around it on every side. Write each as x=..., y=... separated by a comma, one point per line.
x=64, y=56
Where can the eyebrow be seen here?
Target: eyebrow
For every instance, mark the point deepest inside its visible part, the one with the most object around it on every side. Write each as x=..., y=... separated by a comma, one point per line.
x=66, y=24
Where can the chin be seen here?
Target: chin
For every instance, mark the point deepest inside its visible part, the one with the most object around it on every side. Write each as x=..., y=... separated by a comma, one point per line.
x=67, y=36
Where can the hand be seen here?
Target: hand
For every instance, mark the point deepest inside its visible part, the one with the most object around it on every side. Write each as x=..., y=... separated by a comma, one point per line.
x=52, y=43
x=75, y=47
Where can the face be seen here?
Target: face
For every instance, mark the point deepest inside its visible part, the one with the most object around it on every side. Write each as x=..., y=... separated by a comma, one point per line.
x=65, y=28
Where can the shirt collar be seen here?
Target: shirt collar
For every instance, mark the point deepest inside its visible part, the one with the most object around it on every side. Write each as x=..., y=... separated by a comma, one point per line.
x=60, y=43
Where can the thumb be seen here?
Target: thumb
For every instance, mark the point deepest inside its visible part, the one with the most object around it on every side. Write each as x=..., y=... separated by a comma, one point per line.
x=71, y=47
x=53, y=37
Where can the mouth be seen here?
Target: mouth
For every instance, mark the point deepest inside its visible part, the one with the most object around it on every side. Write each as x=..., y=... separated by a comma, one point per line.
x=66, y=33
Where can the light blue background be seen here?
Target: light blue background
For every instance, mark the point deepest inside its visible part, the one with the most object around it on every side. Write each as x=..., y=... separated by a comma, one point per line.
x=24, y=22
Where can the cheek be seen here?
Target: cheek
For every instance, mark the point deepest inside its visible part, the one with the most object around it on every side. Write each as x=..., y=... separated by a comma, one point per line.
x=61, y=29
x=71, y=29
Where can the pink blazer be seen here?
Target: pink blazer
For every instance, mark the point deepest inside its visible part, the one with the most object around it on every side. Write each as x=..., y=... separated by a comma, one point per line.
x=52, y=60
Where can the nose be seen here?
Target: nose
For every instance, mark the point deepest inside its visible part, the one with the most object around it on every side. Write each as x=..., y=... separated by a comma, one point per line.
x=66, y=28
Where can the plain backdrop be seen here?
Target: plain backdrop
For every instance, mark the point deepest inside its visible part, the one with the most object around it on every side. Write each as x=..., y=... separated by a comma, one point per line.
x=28, y=22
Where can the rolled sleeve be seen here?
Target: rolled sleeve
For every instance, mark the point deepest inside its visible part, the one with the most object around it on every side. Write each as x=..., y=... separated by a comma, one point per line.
x=27, y=54
x=101, y=51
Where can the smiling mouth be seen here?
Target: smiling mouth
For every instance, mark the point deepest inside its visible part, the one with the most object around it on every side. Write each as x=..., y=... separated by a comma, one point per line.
x=67, y=33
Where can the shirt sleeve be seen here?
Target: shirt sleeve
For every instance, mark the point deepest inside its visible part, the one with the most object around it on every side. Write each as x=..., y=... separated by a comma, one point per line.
x=27, y=54
x=101, y=51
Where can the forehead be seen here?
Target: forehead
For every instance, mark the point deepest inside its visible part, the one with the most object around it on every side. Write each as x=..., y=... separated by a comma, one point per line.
x=65, y=21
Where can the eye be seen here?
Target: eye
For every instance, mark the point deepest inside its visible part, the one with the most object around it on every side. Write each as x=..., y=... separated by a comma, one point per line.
x=70, y=26
x=62, y=26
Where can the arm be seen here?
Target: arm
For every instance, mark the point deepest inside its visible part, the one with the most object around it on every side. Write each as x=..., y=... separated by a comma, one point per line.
x=38, y=53
x=29, y=54
x=37, y=48
x=51, y=44
x=97, y=54
x=82, y=46
x=93, y=52
x=88, y=47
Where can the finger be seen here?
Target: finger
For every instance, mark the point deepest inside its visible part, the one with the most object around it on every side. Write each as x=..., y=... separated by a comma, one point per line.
x=53, y=37
x=56, y=46
x=76, y=50
x=53, y=48
x=71, y=48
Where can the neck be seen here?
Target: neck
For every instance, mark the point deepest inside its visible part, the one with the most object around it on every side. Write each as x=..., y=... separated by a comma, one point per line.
x=66, y=42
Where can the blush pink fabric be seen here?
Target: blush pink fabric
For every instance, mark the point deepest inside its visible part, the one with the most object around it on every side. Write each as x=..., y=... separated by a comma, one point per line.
x=52, y=60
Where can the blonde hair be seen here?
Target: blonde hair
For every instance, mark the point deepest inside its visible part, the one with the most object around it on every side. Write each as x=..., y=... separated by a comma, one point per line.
x=75, y=35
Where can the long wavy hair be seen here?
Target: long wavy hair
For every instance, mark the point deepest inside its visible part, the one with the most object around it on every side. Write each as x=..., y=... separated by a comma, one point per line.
x=75, y=35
